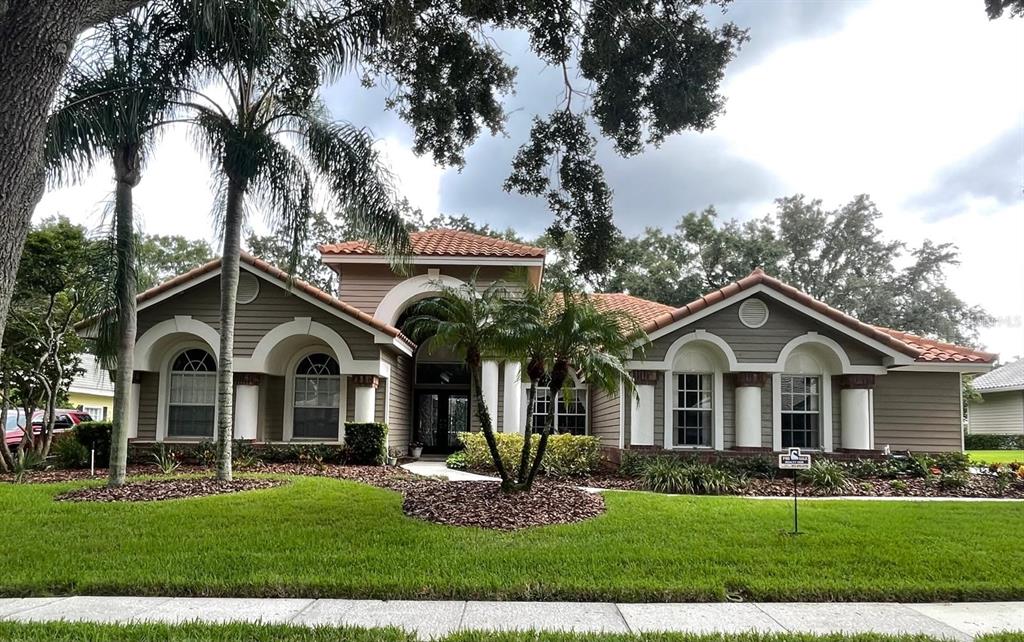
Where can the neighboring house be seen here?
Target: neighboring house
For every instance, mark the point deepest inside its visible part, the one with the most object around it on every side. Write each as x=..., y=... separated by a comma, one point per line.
x=756, y=365
x=1001, y=409
x=92, y=390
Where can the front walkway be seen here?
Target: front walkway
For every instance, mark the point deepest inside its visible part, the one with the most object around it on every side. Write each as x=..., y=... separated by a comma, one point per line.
x=428, y=618
x=437, y=468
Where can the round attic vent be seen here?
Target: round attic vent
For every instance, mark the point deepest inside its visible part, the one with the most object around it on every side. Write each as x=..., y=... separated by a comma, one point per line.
x=753, y=313
x=248, y=288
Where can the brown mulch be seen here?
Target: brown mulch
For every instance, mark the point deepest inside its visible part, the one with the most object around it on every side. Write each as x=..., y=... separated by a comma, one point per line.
x=978, y=486
x=157, y=490
x=483, y=504
x=611, y=482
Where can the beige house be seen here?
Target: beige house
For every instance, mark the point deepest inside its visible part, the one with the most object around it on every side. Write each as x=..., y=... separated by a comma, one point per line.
x=1001, y=408
x=756, y=365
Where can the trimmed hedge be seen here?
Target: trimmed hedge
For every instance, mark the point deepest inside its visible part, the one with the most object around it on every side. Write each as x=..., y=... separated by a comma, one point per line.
x=95, y=434
x=993, y=442
x=367, y=443
x=566, y=455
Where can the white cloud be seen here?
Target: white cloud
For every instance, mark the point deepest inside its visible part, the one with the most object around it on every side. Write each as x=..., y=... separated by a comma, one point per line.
x=416, y=177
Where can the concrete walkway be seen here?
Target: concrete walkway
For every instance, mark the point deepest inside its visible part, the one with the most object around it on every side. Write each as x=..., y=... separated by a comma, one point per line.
x=961, y=621
x=437, y=468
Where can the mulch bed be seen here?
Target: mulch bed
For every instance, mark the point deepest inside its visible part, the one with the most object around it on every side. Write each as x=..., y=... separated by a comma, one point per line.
x=483, y=504
x=978, y=486
x=157, y=490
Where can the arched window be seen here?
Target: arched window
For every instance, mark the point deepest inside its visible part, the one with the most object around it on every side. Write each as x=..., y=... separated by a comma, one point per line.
x=193, y=395
x=317, y=397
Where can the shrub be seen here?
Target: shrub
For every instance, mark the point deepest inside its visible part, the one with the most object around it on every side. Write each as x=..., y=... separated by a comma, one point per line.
x=457, y=461
x=953, y=462
x=708, y=480
x=68, y=453
x=994, y=442
x=759, y=466
x=1004, y=477
x=899, y=486
x=666, y=475
x=566, y=455
x=826, y=476
x=954, y=480
x=95, y=435
x=367, y=442
x=26, y=460
x=166, y=460
x=204, y=453
x=633, y=463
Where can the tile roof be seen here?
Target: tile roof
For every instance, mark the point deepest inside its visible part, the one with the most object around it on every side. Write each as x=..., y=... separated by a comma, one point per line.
x=1006, y=377
x=443, y=243
x=922, y=349
x=642, y=310
x=283, y=277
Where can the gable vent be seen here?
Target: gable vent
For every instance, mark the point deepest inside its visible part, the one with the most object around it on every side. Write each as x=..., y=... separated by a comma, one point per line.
x=248, y=288
x=753, y=313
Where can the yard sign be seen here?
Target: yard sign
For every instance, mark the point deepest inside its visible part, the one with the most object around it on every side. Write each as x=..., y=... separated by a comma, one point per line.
x=794, y=460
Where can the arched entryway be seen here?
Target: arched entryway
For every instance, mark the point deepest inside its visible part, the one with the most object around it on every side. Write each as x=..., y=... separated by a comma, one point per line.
x=441, y=398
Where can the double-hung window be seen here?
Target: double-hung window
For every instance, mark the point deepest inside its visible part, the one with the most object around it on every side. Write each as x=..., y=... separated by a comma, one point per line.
x=692, y=411
x=801, y=411
x=317, y=398
x=570, y=410
x=193, y=395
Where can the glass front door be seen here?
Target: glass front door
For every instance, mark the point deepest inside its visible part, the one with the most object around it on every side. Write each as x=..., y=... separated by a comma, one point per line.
x=440, y=417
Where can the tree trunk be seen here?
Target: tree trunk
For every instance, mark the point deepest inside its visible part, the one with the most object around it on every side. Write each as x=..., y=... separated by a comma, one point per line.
x=228, y=296
x=36, y=37
x=125, y=292
x=524, y=458
x=484, y=414
x=558, y=375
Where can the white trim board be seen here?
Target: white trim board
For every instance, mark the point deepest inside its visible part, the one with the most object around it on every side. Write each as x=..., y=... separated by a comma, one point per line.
x=341, y=259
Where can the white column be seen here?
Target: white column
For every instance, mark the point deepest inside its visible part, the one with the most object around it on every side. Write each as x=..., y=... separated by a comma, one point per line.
x=133, y=421
x=366, y=398
x=856, y=418
x=489, y=389
x=247, y=408
x=641, y=417
x=748, y=417
x=511, y=420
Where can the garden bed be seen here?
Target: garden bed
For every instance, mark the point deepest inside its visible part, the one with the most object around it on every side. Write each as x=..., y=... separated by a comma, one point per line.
x=162, y=489
x=483, y=504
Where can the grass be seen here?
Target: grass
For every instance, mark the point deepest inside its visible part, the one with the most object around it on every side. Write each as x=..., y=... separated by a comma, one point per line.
x=996, y=456
x=87, y=632
x=319, y=537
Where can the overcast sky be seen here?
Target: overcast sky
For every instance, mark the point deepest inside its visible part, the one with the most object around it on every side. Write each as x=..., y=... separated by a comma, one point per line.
x=919, y=103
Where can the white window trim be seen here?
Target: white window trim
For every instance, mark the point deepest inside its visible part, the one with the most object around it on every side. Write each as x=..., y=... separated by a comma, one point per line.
x=717, y=432
x=288, y=424
x=675, y=398
x=583, y=391
x=826, y=410
x=163, y=408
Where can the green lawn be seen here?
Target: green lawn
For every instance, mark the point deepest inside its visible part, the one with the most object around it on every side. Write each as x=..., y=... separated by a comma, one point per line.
x=329, y=538
x=81, y=632
x=996, y=456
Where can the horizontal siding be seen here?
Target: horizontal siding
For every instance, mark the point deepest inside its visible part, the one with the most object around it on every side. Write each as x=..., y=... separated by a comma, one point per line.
x=837, y=415
x=273, y=306
x=273, y=422
x=728, y=412
x=763, y=345
x=366, y=285
x=767, y=418
x=400, y=411
x=918, y=411
x=604, y=417
x=149, y=393
x=659, y=410
x=998, y=413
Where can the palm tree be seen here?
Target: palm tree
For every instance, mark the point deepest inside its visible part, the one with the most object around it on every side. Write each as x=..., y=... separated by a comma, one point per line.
x=271, y=142
x=115, y=100
x=476, y=321
x=595, y=343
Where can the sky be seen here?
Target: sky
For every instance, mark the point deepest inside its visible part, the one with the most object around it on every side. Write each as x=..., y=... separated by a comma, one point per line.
x=918, y=103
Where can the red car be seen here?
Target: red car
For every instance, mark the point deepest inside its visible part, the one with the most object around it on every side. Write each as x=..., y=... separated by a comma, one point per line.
x=66, y=420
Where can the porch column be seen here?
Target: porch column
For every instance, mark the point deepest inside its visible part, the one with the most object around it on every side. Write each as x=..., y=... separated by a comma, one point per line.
x=748, y=408
x=513, y=398
x=641, y=415
x=489, y=389
x=133, y=416
x=366, y=398
x=247, y=404
x=855, y=409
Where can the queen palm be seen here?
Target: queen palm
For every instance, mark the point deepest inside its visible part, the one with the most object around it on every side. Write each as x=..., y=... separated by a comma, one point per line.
x=476, y=321
x=272, y=145
x=115, y=101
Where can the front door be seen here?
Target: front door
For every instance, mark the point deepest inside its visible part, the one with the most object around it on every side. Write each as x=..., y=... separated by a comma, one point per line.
x=440, y=416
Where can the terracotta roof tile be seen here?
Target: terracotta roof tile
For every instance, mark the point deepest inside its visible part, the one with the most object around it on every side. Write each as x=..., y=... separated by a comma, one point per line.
x=642, y=310
x=443, y=243
x=922, y=349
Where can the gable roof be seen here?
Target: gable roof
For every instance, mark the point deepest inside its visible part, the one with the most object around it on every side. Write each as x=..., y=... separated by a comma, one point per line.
x=444, y=242
x=642, y=311
x=1006, y=377
x=919, y=348
x=280, y=275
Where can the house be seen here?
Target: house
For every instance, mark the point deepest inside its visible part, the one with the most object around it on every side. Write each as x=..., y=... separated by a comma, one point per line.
x=757, y=365
x=92, y=390
x=1001, y=408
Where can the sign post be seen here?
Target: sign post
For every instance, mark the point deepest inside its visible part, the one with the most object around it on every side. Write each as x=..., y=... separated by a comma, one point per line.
x=794, y=460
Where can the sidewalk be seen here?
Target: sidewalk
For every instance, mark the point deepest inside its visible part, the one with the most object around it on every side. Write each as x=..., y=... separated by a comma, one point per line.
x=959, y=621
